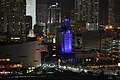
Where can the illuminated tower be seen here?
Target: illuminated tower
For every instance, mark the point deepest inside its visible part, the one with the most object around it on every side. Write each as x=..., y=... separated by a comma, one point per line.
x=54, y=21
x=66, y=40
x=54, y=14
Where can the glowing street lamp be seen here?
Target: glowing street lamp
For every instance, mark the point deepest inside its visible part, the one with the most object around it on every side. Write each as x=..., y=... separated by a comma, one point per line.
x=108, y=27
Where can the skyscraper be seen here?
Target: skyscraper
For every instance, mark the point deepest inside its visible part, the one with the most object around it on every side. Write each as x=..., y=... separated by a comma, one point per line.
x=103, y=12
x=114, y=20
x=54, y=14
x=12, y=20
x=114, y=13
x=31, y=10
x=109, y=16
x=54, y=20
x=42, y=14
x=87, y=11
x=64, y=38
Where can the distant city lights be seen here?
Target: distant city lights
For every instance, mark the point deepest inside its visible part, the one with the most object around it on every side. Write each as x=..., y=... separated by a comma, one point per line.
x=118, y=64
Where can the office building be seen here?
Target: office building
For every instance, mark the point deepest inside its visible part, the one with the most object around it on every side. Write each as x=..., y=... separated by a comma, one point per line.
x=28, y=20
x=103, y=12
x=87, y=11
x=12, y=20
x=42, y=14
x=54, y=14
x=116, y=46
x=53, y=23
x=114, y=13
x=111, y=41
x=31, y=10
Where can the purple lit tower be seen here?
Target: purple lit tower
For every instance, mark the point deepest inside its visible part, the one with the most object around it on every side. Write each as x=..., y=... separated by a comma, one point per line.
x=66, y=40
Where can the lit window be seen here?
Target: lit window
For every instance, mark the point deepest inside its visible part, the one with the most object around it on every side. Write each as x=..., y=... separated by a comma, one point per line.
x=7, y=59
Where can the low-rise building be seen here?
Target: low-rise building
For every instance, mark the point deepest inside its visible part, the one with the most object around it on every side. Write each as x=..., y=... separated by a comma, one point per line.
x=26, y=53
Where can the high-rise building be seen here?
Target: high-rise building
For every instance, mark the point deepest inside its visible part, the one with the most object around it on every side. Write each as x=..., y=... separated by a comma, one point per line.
x=54, y=14
x=111, y=43
x=53, y=23
x=31, y=10
x=114, y=13
x=42, y=14
x=116, y=42
x=87, y=11
x=103, y=12
x=28, y=20
x=42, y=17
x=66, y=41
x=12, y=20
x=64, y=38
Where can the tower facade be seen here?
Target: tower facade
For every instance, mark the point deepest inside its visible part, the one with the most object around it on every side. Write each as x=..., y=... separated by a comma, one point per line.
x=64, y=38
x=31, y=10
x=103, y=12
x=114, y=20
x=66, y=41
x=42, y=14
x=53, y=23
x=54, y=14
x=87, y=11
x=114, y=13
x=12, y=20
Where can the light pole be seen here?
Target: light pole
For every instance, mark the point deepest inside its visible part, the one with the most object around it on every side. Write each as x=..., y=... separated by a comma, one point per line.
x=108, y=27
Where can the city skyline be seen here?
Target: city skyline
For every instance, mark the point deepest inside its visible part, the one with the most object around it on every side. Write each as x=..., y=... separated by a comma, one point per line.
x=63, y=35
x=64, y=4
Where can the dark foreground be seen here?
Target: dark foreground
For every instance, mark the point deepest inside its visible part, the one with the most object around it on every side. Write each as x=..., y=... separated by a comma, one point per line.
x=59, y=76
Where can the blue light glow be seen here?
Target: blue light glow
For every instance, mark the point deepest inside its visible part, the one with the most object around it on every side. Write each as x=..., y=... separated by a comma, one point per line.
x=68, y=31
x=66, y=21
x=70, y=59
x=67, y=42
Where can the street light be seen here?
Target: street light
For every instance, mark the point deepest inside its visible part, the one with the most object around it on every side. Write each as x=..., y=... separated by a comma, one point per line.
x=108, y=27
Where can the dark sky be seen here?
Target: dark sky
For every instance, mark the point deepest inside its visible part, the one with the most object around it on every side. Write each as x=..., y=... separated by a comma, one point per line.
x=64, y=4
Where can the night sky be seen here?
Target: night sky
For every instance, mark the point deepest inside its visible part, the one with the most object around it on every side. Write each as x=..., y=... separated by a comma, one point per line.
x=64, y=4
